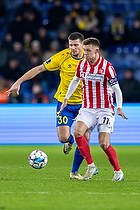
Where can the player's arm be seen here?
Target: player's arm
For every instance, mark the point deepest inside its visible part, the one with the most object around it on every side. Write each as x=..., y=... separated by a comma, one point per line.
x=72, y=87
x=28, y=75
x=118, y=94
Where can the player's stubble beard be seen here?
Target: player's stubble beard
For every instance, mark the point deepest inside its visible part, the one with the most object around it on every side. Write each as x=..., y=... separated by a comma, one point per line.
x=76, y=54
x=93, y=60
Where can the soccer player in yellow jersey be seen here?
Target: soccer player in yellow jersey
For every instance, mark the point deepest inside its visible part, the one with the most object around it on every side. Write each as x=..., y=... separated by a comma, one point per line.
x=66, y=61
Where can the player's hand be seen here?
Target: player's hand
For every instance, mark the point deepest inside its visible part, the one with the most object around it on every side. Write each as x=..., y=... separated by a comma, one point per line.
x=64, y=104
x=119, y=112
x=15, y=87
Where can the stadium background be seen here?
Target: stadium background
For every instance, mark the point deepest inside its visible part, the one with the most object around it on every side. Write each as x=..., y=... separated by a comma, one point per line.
x=25, y=123
x=35, y=124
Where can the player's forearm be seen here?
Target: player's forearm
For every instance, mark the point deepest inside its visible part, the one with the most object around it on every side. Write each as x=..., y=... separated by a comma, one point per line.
x=72, y=87
x=31, y=73
x=118, y=94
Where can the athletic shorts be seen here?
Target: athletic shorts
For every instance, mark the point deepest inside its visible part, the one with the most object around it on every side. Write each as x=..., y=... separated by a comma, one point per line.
x=103, y=118
x=68, y=114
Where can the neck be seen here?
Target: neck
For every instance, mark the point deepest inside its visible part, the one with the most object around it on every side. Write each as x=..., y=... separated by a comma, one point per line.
x=78, y=55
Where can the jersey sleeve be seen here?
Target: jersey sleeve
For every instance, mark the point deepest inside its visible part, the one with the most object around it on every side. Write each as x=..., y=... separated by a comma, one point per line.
x=54, y=63
x=111, y=75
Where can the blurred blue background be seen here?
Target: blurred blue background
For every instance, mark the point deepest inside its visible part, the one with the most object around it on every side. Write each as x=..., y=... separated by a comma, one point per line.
x=35, y=124
x=43, y=27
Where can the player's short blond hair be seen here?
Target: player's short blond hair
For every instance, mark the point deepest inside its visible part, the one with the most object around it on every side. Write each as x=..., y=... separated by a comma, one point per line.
x=91, y=41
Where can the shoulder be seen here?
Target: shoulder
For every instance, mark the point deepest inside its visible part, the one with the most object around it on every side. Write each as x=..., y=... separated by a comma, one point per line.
x=58, y=58
x=63, y=54
x=82, y=62
x=109, y=69
x=107, y=64
x=82, y=65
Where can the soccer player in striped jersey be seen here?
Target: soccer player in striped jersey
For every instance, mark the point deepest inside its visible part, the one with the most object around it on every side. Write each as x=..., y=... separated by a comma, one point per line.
x=66, y=61
x=99, y=82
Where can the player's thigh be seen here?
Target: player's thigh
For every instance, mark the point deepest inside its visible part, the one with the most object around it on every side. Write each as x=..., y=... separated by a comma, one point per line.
x=105, y=127
x=105, y=121
x=87, y=116
x=64, y=122
x=67, y=116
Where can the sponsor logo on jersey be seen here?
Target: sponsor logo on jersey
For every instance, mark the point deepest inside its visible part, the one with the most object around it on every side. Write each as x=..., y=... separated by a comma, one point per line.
x=94, y=77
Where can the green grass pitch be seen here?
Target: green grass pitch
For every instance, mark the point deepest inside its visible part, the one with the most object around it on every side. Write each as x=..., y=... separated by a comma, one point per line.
x=25, y=188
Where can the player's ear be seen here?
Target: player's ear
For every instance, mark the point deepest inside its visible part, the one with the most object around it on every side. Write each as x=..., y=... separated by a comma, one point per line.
x=97, y=50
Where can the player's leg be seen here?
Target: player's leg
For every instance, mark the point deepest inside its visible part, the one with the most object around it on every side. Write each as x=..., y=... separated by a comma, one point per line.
x=65, y=137
x=83, y=146
x=64, y=123
x=63, y=133
x=104, y=135
x=78, y=159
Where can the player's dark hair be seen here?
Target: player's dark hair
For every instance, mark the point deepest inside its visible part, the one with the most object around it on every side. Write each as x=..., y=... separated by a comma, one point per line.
x=92, y=41
x=76, y=35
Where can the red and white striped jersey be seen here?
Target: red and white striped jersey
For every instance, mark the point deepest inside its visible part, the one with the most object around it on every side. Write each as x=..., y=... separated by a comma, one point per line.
x=97, y=80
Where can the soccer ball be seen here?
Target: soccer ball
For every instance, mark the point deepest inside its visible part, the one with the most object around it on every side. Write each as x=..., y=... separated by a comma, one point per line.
x=38, y=159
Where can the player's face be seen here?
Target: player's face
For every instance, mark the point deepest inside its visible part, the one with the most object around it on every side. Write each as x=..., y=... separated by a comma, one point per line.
x=76, y=48
x=91, y=53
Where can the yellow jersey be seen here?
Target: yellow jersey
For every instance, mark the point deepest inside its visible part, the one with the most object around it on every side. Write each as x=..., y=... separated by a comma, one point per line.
x=64, y=62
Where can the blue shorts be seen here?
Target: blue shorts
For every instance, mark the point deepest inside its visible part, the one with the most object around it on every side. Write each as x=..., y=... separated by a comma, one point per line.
x=68, y=114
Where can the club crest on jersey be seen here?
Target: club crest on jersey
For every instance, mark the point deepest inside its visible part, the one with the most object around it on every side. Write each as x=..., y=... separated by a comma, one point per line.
x=69, y=65
x=101, y=71
x=48, y=61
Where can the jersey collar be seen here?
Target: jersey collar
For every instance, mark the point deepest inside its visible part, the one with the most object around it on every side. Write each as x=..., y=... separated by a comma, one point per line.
x=77, y=58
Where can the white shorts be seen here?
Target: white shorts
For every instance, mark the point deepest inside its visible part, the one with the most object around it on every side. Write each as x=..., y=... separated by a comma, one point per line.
x=103, y=118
